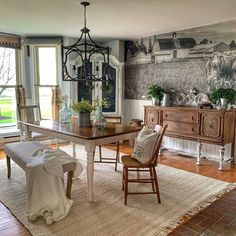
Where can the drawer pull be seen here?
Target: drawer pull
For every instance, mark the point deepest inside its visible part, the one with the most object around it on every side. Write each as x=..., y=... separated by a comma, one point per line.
x=192, y=118
x=152, y=119
x=192, y=128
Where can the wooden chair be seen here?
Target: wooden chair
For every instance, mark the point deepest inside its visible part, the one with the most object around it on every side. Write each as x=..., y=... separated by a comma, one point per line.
x=111, y=120
x=32, y=114
x=130, y=164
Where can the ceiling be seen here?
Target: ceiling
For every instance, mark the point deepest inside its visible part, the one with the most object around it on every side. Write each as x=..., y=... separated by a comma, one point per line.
x=111, y=19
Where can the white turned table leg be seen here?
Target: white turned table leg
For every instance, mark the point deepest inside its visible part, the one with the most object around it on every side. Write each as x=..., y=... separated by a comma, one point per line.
x=90, y=149
x=199, y=148
x=221, y=160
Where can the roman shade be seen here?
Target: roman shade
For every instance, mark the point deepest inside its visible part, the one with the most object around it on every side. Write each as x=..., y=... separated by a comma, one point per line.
x=10, y=41
x=42, y=41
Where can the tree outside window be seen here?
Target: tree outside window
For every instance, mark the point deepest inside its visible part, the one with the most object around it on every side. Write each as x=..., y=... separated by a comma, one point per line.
x=7, y=86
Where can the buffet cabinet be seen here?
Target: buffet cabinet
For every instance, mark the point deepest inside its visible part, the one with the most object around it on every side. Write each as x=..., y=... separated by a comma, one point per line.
x=201, y=125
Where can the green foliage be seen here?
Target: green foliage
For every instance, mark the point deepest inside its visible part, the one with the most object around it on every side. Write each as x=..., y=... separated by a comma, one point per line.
x=107, y=88
x=156, y=91
x=228, y=93
x=83, y=106
x=104, y=102
x=7, y=115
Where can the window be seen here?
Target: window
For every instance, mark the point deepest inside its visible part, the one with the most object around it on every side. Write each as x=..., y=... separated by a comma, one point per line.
x=101, y=90
x=8, y=82
x=47, y=78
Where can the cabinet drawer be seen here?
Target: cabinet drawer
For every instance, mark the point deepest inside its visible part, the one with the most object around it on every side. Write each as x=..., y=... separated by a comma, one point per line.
x=182, y=116
x=181, y=128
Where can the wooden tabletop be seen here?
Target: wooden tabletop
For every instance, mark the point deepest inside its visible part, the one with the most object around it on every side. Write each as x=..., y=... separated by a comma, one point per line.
x=83, y=132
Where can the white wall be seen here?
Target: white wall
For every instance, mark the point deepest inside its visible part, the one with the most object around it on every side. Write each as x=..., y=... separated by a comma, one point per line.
x=135, y=109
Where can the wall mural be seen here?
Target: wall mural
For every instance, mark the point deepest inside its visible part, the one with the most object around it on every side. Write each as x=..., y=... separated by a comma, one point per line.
x=197, y=59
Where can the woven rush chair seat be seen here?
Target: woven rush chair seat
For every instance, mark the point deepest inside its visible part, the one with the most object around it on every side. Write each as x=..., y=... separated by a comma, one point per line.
x=20, y=153
x=130, y=162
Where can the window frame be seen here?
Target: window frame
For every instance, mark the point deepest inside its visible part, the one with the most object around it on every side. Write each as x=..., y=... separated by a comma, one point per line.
x=37, y=84
x=17, y=84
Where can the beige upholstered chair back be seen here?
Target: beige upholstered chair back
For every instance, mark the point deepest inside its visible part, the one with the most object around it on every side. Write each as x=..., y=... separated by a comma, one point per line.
x=30, y=113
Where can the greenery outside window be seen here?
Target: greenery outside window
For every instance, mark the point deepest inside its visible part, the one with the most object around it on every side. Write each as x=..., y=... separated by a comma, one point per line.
x=8, y=82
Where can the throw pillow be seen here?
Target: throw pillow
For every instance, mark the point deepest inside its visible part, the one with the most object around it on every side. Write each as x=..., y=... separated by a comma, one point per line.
x=144, y=145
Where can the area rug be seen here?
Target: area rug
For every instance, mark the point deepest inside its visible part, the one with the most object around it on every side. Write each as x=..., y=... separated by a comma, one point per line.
x=182, y=193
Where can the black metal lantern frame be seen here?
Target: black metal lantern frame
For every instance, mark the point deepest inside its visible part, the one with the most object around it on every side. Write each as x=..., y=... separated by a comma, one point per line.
x=84, y=49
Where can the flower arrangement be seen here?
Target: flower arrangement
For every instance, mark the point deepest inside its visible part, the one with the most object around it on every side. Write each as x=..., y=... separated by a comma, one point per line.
x=98, y=103
x=62, y=99
x=83, y=106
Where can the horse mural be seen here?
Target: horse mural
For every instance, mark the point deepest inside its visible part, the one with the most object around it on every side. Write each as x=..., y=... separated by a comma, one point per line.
x=221, y=71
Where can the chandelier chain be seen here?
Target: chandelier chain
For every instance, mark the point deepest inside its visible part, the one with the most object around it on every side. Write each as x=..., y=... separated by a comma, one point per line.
x=85, y=20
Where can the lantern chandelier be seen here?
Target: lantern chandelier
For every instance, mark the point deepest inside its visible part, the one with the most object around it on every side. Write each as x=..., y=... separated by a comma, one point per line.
x=77, y=58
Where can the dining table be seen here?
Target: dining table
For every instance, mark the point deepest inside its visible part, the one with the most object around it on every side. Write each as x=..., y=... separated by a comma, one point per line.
x=90, y=137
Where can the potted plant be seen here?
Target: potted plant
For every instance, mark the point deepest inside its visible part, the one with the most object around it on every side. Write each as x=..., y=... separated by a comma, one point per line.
x=83, y=108
x=223, y=96
x=156, y=93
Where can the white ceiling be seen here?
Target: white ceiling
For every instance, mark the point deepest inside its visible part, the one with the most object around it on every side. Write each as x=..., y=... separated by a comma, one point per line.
x=111, y=19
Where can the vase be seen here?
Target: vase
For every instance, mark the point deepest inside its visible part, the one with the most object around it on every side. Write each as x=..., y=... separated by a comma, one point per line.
x=166, y=100
x=100, y=121
x=223, y=102
x=65, y=114
x=155, y=101
x=84, y=119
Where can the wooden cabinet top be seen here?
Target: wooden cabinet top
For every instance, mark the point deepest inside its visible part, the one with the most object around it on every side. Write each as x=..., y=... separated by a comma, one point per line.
x=185, y=108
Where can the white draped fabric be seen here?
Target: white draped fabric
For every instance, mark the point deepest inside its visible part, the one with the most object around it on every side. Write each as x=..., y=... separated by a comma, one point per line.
x=45, y=185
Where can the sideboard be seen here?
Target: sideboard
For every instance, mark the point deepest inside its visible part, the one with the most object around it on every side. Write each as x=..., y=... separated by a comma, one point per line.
x=201, y=125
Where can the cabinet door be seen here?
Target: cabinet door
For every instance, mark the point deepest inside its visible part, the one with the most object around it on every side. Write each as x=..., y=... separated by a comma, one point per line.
x=151, y=117
x=212, y=125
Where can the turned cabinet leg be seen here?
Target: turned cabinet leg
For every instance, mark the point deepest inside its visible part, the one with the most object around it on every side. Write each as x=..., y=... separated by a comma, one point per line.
x=221, y=160
x=73, y=150
x=199, y=148
x=232, y=153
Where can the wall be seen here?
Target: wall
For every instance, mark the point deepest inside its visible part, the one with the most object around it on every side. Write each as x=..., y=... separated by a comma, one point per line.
x=180, y=75
x=116, y=49
x=199, y=59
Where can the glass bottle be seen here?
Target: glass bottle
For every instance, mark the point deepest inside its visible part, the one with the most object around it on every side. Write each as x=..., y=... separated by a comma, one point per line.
x=65, y=113
x=100, y=121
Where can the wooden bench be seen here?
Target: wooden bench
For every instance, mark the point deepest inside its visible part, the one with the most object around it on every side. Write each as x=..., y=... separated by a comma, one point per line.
x=20, y=152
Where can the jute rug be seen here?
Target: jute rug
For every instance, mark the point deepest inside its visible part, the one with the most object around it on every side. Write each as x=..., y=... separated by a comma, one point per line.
x=182, y=193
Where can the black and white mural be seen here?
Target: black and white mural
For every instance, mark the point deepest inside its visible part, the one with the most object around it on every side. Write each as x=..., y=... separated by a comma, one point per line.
x=198, y=59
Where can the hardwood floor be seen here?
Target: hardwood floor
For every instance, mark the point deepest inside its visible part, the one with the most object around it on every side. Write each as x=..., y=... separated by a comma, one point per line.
x=10, y=226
